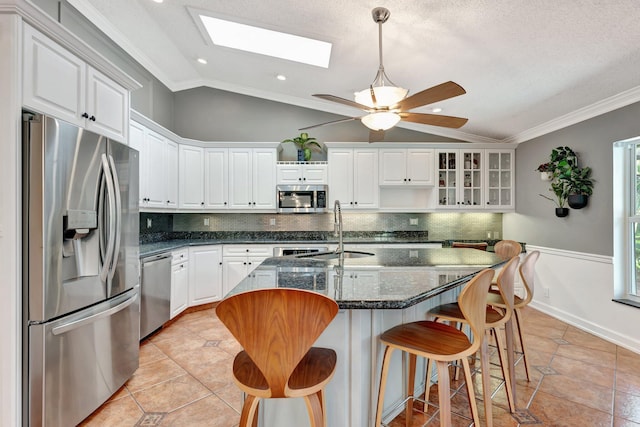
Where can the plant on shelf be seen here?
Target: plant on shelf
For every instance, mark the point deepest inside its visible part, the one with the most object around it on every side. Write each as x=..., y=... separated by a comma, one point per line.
x=580, y=186
x=305, y=144
x=560, y=190
x=561, y=169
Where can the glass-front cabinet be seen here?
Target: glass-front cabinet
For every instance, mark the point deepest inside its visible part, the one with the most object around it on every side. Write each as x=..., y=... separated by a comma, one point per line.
x=460, y=179
x=475, y=179
x=499, y=179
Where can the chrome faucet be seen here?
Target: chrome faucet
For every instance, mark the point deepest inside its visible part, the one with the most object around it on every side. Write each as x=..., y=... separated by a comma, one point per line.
x=337, y=226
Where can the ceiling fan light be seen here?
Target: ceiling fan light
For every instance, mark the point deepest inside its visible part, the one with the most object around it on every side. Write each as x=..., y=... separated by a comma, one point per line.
x=380, y=121
x=386, y=96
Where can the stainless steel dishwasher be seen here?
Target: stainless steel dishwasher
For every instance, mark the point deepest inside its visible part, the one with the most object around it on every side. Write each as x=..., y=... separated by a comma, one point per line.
x=155, y=301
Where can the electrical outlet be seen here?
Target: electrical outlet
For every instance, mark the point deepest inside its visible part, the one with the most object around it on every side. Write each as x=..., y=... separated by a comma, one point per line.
x=413, y=221
x=272, y=221
x=148, y=222
x=546, y=292
x=206, y=221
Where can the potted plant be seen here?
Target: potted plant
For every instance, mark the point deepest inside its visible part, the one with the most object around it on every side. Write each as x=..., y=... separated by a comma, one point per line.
x=580, y=186
x=561, y=191
x=546, y=171
x=305, y=145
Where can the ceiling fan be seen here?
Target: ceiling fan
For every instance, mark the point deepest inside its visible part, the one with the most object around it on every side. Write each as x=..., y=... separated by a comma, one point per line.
x=386, y=104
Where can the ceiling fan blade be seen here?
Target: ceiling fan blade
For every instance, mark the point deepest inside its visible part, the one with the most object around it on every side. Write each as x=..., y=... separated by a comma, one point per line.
x=376, y=135
x=342, y=101
x=429, y=96
x=348, y=119
x=434, y=120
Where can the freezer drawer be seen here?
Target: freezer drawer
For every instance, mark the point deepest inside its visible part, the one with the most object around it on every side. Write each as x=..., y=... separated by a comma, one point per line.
x=77, y=362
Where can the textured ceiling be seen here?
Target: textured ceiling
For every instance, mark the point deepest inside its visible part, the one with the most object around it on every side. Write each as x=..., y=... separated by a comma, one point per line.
x=528, y=66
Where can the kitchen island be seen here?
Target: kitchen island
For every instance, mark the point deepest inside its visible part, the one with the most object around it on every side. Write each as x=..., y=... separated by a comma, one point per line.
x=374, y=293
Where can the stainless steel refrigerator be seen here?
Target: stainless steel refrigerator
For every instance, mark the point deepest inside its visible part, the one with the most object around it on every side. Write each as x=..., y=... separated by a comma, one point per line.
x=81, y=270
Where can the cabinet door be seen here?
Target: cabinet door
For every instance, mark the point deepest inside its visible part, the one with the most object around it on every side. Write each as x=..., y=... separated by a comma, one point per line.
x=179, y=288
x=234, y=270
x=155, y=170
x=340, y=177
x=365, y=178
x=315, y=174
x=240, y=178
x=205, y=279
x=107, y=106
x=470, y=179
x=288, y=174
x=136, y=141
x=216, y=173
x=171, y=165
x=447, y=178
x=419, y=167
x=264, y=178
x=393, y=166
x=54, y=79
x=191, y=182
x=499, y=179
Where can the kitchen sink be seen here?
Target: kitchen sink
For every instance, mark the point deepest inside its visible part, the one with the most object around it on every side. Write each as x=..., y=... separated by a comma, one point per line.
x=334, y=255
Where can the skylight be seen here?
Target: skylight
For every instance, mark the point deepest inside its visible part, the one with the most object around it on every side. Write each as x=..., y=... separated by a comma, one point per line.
x=267, y=42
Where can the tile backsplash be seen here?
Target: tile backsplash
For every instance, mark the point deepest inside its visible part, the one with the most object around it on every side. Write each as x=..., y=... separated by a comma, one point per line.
x=441, y=226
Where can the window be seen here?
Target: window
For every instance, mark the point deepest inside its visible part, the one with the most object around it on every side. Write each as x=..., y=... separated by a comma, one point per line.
x=626, y=199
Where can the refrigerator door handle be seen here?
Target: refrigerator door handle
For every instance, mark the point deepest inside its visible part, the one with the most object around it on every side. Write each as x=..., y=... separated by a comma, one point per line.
x=117, y=219
x=64, y=328
x=108, y=255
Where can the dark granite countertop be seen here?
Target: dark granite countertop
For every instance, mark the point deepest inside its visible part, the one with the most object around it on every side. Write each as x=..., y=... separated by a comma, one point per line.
x=179, y=240
x=392, y=278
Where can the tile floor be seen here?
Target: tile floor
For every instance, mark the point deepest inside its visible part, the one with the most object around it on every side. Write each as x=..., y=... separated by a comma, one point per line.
x=184, y=379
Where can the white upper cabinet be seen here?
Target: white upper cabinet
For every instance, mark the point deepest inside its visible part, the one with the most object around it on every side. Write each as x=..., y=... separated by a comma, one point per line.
x=191, y=177
x=58, y=83
x=158, y=167
x=499, y=179
x=294, y=173
x=216, y=178
x=407, y=167
x=353, y=177
x=252, y=178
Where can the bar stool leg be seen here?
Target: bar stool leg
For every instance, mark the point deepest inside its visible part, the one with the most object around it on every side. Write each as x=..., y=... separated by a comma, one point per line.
x=427, y=385
x=249, y=416
x=470, y=393
x=505, y=365
x=314, y=408
x=486, y=379
x=516, y=312
x=410, y=389
x=444, y=391
x=383, y=383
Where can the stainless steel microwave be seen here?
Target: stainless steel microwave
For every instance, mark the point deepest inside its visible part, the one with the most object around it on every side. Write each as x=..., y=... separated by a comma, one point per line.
x=302, y=198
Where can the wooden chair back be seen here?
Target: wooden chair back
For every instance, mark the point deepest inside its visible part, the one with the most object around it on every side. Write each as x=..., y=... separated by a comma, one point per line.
x=473, y=305
x=527, y=271
x=506, y=280
x=277, y=327
x=480, y=245
x=507, y=249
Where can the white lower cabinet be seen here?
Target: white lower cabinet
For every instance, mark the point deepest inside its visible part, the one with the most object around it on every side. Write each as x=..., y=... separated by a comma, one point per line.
x=205, y=274
x=179, y=281
x=239, y=261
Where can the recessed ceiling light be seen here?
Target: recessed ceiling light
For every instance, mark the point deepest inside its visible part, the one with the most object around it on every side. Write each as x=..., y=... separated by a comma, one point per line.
x=267, y=42
x=201, y=60
x=436, y=110
x=281, y=77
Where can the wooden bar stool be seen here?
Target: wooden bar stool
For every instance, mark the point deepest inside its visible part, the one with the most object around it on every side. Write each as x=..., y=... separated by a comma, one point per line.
x=507, y=249
x=527, y=271
x=495, y=319
x=277, y=328
x=441, y=343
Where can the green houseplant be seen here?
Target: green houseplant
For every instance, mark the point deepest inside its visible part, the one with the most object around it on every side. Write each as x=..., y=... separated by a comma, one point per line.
x=560, y=190
x=580, y=186
x=306, y=144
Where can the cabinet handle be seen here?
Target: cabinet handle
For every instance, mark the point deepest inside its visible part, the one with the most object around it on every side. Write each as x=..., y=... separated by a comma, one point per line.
x=304, y=179
x=254, y=203
x=92, y=118
x=168, y=201
x=409, y=179
x=225, y=203
x=299, y=179
x=405, y=180
x=201, y=203
x=355, y=203
x=85, y=116
x=244, y=263
x=220, y=263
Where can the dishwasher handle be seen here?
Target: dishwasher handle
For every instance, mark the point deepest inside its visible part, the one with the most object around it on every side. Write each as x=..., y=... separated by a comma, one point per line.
x=155, y=258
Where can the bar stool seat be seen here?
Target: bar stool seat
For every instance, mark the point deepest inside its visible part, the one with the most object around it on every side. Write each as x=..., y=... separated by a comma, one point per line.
x=441, y=343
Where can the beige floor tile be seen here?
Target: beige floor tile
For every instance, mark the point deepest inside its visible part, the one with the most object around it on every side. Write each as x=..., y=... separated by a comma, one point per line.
x=115, y=413
x=621, y=422
x=578, y=391
x=172, y=394
x=207, y=412
x=552, y=411
x=150, y=353
x=587, y=355
x=576, y=336
x=600, y=375
x=154, y=373
x=628, y=383
x=627, y=406
x=627, y=361
x=180, y=344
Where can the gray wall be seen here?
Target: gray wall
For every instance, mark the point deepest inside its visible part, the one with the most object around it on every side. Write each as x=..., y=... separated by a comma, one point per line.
x=208, y=114
x=154, y=100
x=586, y=230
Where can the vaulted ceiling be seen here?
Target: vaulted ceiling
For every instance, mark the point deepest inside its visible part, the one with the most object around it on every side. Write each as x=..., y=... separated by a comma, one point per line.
x=529, y=66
